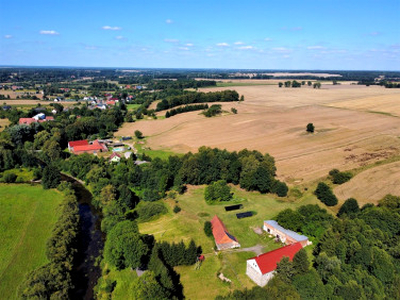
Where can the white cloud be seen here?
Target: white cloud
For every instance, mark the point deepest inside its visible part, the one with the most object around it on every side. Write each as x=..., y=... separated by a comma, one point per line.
x=246, y=47
x=189, y=45
x=282, y=50
x=171, y=40
x=267, y=39
x=184, y=48
x=111, y=28
x=90, y=47
x=315, y=47
x=169, y=21
x=8, y=36
x=223, y=45
x=239, y=43
x=119, y=37
x=49, y=32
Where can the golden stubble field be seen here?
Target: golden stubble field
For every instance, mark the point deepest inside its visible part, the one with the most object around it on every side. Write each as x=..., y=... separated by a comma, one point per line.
x=355, y=126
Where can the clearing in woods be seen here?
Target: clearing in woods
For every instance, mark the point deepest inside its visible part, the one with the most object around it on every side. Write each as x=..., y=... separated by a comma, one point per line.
x=27, y=216
x=355, y=126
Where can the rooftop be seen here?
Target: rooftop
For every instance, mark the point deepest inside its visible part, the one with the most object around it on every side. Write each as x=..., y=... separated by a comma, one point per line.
x=292, y=234
x=267, y=261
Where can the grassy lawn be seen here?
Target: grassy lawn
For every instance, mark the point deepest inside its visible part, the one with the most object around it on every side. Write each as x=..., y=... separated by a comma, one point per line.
x=132, y=106
x=188, y=224
x=27, y=216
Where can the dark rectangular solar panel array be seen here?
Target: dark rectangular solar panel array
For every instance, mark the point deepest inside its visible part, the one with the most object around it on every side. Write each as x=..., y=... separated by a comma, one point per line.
x=244, y=215
x=233, y=207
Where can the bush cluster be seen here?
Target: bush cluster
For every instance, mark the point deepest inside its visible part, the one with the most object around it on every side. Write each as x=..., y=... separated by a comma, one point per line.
x=184, y=109
x=338, y=177
x=325, y=194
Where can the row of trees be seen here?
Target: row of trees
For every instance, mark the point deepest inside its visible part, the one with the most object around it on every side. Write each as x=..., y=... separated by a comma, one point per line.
x=194, y=97
x=184, y=109
x=53, y=280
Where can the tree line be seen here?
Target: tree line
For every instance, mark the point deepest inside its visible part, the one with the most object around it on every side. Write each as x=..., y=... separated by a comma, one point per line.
x=193, y=97
x=186, y=108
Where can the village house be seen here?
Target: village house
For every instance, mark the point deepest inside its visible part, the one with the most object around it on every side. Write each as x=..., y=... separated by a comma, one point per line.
x=223, y=239
x=286, y=236
x=262, y=268
x=39, y=118
x=114, y=158
x=83, y=146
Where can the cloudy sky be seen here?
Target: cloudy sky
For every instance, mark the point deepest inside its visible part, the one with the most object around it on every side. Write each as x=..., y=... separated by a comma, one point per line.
x=258, y=34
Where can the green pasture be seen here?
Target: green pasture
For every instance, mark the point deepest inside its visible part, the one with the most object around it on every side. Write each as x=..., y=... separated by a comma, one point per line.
x=188, y=224
x=27, y=216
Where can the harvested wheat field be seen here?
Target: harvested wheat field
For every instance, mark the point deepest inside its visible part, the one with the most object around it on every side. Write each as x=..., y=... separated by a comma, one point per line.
x=371, y=185
x=273, y=120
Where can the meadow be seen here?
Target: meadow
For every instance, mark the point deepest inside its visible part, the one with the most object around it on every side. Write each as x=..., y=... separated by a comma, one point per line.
x=27, y=216
x=189, y=222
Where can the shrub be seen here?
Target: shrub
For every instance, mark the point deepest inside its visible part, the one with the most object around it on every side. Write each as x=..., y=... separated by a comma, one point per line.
x=9, y=177
x=147, y=211
x=340, y=177
x=325, y=194
x=208, y=229
x=176, y=209
x=310, y=127
x=280, y=188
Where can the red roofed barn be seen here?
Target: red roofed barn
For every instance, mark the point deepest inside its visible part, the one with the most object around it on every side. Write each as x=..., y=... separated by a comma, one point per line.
x=261, y=268
x=223, y=239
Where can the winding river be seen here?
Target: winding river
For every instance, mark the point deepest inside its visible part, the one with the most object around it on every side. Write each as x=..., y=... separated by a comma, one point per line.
x=90, y=244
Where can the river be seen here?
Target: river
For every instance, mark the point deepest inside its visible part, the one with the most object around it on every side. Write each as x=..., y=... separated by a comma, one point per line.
x=90, y=244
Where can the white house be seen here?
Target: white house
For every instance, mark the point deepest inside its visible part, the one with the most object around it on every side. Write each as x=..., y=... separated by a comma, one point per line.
x=286, y=236
x=262, y=268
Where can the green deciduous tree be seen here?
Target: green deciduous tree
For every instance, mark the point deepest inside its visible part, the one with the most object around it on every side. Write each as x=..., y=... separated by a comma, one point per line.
x=218, y=191
x=124, y=246
x=51, y=177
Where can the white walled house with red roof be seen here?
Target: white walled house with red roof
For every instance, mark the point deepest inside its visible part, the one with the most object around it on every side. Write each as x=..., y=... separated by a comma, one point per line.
x=262, y=268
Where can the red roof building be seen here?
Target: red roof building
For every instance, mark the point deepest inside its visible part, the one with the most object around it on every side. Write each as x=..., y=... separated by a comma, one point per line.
x=223, y=239
x=83, y=146
x=261, y=268
x=29, y=121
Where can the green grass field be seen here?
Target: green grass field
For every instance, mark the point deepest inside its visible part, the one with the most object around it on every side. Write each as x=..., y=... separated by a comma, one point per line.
x=27, y=216
x=189, y=223
x=133, y=106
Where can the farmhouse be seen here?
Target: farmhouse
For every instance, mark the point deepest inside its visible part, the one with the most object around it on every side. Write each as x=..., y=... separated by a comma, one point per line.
x=40, y=118
x=284, y=235
x=261, y=268
x=115, y=158
x=223, y=239
x=83, y=146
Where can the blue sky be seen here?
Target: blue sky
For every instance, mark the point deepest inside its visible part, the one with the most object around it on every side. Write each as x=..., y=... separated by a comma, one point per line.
x=324, y=34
